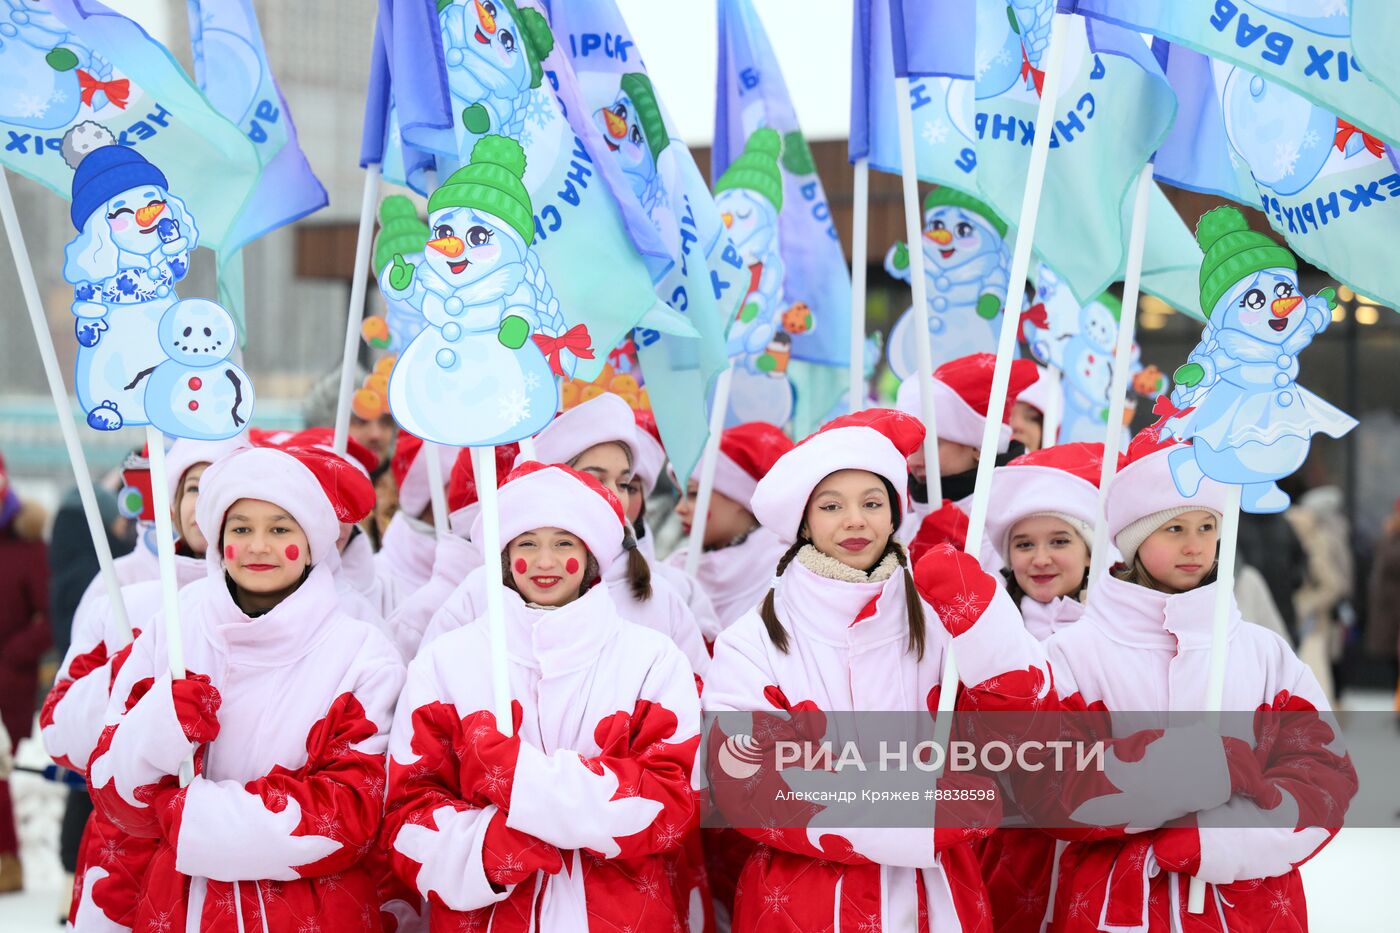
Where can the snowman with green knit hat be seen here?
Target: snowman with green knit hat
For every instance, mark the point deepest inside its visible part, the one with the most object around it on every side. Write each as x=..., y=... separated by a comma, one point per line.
x=482, y=371
x=749, y=196
x=635, y=132
x=966, y=267
x=493, y=50
x=1236, y=399
x=401, y=233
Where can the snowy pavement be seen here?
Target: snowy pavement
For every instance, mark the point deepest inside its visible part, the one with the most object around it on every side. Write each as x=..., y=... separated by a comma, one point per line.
x=1348, y=885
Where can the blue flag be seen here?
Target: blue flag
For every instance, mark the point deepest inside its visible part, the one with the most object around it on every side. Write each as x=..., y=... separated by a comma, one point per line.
x=796, y=309
x=1305, y=47
x=706, y=277
x=230, y=64
x=1113, y=108
x=76, y=62
x=1331, y=190
x=1374, y=26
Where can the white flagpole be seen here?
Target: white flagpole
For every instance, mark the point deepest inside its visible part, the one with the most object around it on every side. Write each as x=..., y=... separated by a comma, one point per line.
x=1215, y=680
x=860, y=235
x=165, y=555
x=1006, y=342
x=707, y=471
x=914, y=236
x=29, y=288
x=1122, y=357
x=1050, y=418
x=437, y=487
x=484, y=467
x=356, y=313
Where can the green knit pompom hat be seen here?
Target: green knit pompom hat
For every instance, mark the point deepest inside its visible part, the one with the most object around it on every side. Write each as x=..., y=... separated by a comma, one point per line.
x=1233, y=252
x=491, y=183
x=757, y=168
x=637, y=86
x=401, y=230
x=943, y=196
x=1113, y=304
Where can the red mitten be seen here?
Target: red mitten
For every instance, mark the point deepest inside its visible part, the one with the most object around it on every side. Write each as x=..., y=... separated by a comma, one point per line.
x=169, y=806
x=486, y=766
x=509, y=856
x=197, y=707
x=948, y=525
x=955, y=585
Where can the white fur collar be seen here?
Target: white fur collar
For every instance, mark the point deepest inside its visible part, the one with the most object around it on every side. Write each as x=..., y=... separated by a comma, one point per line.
x=831, y=568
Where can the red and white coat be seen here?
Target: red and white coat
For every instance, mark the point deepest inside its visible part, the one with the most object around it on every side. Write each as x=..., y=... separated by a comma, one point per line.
x=1138, y=649
x=273, y=831
x=598, y=779
x=453, y=561
x=404, y=561
x=665, y=612
x=848, y=651
x=735, y=578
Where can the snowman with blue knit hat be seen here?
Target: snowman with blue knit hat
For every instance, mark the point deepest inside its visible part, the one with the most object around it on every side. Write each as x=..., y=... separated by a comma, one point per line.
x=1236, y=399
x=482, y=371
x=133, y=245
x=966, y=268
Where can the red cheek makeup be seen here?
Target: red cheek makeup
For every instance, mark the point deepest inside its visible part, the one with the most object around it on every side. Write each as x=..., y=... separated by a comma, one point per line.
x=520, y=565
x=292, y=552
x=572, y=565
x=230, y=553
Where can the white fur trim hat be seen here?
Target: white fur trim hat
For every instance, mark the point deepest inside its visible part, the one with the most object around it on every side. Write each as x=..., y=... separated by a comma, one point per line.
x=1060, y=481
x=1144, y=495
x=648, y=457
x=411, y=472
x=962, y=390
x=1043, y=394
x=538, y=495
x=600, y=420
x=185, y=453
x=274, y=476
x=879, y=440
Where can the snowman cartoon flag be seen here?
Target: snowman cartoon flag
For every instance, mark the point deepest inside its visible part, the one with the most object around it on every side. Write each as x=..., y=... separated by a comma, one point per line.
x=482, y=371
x=1237, y=399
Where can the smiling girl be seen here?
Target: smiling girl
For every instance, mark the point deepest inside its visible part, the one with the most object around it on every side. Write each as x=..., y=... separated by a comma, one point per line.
x=576, y=819
x=841, y=629
x=285, y=708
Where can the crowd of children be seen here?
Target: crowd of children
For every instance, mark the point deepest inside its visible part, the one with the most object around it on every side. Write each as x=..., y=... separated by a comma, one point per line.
x=343, y=767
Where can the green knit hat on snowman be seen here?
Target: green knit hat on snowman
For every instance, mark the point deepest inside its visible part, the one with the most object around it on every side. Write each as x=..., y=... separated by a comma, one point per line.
x=943, y=196
x=757, y=168
x=401, y=231
x=1233, y=252
x=492, y=183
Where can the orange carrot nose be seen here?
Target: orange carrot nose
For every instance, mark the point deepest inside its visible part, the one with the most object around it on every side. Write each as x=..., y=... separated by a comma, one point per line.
x=449, y=246
x=145, y=216
x=617, y=127
x=728, y=219
x=1282, y=307
x=488, y=22
x=941, y=237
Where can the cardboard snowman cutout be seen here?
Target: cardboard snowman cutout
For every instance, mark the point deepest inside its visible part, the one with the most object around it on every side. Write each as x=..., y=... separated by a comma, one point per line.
x=482, y=371
x=197, y=392
x=133, y=245
x=1236, y=398
x=966, y=268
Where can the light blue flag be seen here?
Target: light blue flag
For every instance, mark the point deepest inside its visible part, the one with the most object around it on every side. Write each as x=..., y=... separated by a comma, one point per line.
x=1374, y=26
x=230, y=64
x=534, y=268
x=1113, y=109
x=1302, y=45
x=707, y=278
x=77, y=62
x=797, y=306
x=1332, y=191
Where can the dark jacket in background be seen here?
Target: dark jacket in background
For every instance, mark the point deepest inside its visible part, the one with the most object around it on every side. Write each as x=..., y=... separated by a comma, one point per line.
x=1269, y=544
x=73, y=560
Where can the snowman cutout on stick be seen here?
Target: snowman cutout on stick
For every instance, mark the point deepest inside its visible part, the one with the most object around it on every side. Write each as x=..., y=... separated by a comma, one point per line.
x=133, y=244
x=197, y=392
x=1236, y=399
x=482, y=371
x=966, y=265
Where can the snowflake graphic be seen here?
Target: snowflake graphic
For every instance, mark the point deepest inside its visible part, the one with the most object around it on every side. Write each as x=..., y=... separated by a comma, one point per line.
x=112, y=850
x=525, y=138
x=507, y=867
x=983, y=63
x=32, y=105
x=513, y=407
x=532, y=380
x=494, y=779
x=775, y=900
x=58, y=96
x=935, y=132
x=1003, y=56
x=649, y=887
x=537, y=110
x=1285, y=158
x=1311, y=139
x=668, y=835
